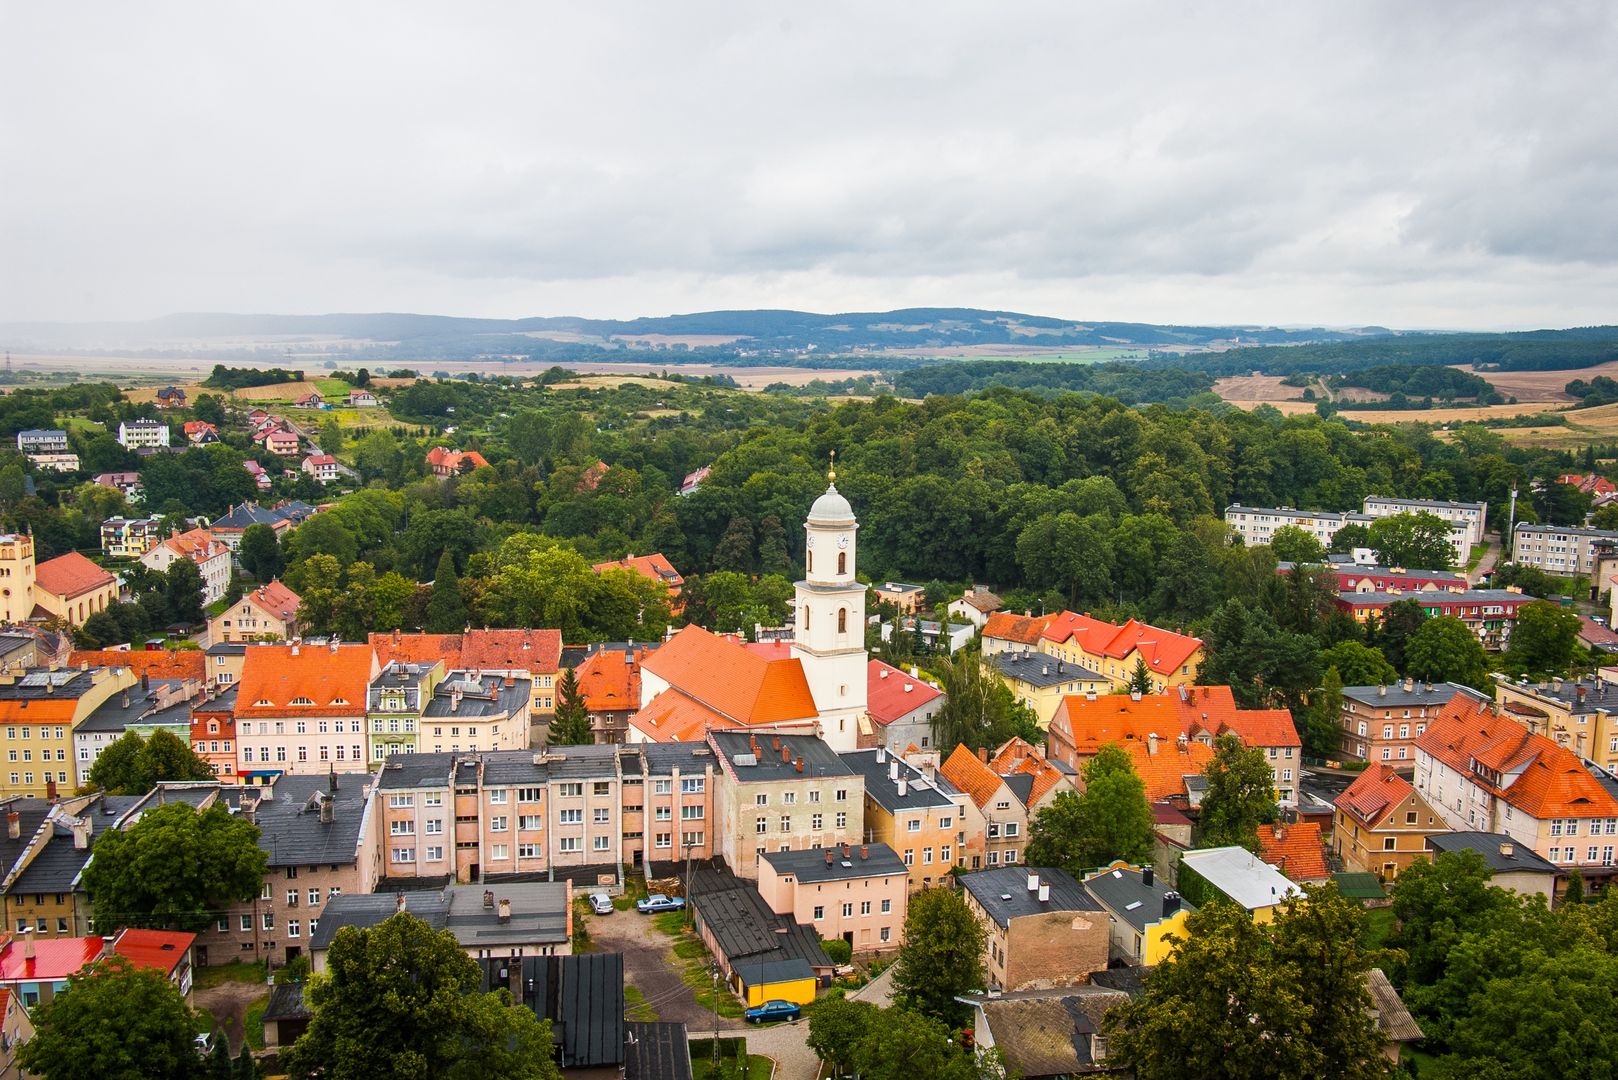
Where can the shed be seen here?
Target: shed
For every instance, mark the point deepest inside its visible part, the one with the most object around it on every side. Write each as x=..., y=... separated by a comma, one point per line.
x=776, y=980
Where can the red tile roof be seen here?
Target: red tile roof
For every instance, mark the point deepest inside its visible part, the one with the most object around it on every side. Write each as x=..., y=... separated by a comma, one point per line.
x=891, y=693
x=674, y=716
x=156, y=663
x=1164, y=772
x=609, y=679
x=535, y=651
x=153, y=948
x=1538, y=777
x=417, y=649
x=323, y=674
x=1594, y=634
x=443, y=459
x=275, y=599
x=966, y=771
x=71, y=575
x=1163, y=650
x=1017, y=755
x=1022, y=629
x=732, y=681
x=198, y=545
x=1116, y=718
x=654, y=567
x=1297, y=852
x=1373, y=793
x=319, y=459
x=1212, y=709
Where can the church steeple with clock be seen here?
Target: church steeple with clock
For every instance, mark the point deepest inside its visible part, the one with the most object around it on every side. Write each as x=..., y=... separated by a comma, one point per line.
x=829, y=639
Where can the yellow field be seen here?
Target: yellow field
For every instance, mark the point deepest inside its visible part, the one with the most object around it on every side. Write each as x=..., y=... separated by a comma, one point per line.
x=1584, y=426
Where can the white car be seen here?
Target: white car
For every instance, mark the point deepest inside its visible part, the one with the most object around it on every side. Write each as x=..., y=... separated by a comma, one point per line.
x=601, y=903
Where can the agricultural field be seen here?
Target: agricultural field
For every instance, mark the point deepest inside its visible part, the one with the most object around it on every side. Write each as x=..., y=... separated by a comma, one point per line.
x=1584, y=426
x=1246, y=391
x=1542, y=385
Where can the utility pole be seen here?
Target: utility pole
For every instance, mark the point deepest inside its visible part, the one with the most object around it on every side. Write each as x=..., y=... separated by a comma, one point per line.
x=713, y=968
x=1511, y=527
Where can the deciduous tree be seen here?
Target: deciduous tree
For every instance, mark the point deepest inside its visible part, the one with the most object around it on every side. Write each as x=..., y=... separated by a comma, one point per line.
x=1413, y=540
x=1445, y=650
x=1110, y=820
x=837, y=1027
x=133, y=765
x=1240, y=795
x=114, y=1022
x=1544, y=640
x=942, y=955
x=260, y=552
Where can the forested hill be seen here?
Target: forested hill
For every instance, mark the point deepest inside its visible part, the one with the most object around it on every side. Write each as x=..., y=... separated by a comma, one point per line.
x=1533, y=350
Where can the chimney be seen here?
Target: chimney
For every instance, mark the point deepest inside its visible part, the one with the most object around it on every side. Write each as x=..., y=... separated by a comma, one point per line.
x=828, y=856
x=13, y=824
x=1134, y=695
x=799, y=764
x=881, y=754
x=334, y=643
x=505, y=910
x=50, y=790
x=1410, y=685
x=847, y=850
x=1280, y=830
x=775, y=742
x=124, y=702
x=331, y=780
x=1090, y=694
x=882, y=673
x=1580, y=692
x=1151, y=742
x=81, y=834
x=1033, y=881
x=455, y=700
x=1044, y=893
x=295, y=648
x=27, y=945
x=1171, y=903
x=398, y=902
x=1146, y=876
x=1382, y=690
x=328, y=810
x=488, y=899
x=983, y=754
x=893, y=769
x=904, y=787
x=786, y=756
x=146, y=680
x=865, y=852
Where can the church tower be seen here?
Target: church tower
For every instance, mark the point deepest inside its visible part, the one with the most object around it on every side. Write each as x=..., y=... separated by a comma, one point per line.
x=829, y=637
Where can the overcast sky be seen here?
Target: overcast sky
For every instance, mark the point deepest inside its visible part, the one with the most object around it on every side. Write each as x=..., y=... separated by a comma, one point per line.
x=1414, y=165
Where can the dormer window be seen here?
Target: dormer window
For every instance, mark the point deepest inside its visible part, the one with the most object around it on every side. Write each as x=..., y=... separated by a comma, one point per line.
x=262, y=703
x=301, y=701
x=339, y=701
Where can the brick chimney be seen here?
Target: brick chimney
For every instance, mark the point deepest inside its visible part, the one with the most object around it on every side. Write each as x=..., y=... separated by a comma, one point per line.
x=505, y=910
x=13, y=824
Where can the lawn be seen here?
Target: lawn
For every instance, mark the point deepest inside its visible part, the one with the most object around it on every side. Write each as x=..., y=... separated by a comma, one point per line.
x=695, y=974
x=671, y=923
x=1379, y=927
x=731, y=1066
x=253, y=1022
x=636, y=1007
x=238, y=971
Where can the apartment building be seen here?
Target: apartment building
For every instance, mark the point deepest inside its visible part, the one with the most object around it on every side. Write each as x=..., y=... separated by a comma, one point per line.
x=1004, y=812
x=267, y=613
x=1488, y=613
x=900, y=708
x=1382, y=723
x=129, y=538
x=213, y=733
x=1042, y=928
x=212, y=558
x=39, y=712
x=1560, y=549
x=477, y=710
x=46, y=850
x=532, y=654
x=781, y=793
x=394, y=704
x=43, y=441
x=300, y=709
x=1381, y=824
x=1116, y=650
x=1040, y=680
x=1257, y=525
x=856, y=892
x=142, y=707
x=923, y=821
x=1578, y=714
x=141, y=434
x=1471, y=516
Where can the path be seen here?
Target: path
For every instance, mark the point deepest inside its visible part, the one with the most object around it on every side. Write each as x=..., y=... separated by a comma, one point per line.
x=649, y=966
x=228, y=1003
x=788, y=1044
x=1486, y=564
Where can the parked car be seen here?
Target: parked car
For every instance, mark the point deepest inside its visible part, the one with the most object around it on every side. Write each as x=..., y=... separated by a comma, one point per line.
x=601, y=903
x=658, y=902
x=773, y=1010
x=203, y=1043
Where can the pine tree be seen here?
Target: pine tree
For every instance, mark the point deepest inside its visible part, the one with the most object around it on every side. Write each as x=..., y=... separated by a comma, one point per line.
x=1140, y=680
x=446, y=611
x=571, y=724
x=246, y=1067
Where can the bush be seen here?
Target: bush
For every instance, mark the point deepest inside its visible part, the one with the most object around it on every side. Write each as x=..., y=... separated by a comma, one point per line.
x=838, y=951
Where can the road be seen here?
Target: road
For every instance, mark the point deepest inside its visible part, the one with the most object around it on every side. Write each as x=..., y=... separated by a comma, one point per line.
x=649, y=966
x=1486, y=564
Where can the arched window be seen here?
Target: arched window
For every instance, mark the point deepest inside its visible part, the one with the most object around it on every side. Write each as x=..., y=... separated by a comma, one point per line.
x=806, y=616
x=842, y=620
x=811, y=558
x=842, y=562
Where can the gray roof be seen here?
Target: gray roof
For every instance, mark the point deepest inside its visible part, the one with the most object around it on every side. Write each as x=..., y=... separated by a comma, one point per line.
x=538, y=914
x=1393, y=1020
x=1240, y=875
x=1569, y=530
x=877, y=767
x=417, y=770
x=396, y=675
x=1580, y=696
x=1493, y=847
x=1003, y=892
x=286, y=1003
x=479, y=696
x=228, y=648
x=837, y=864
x=57, y=867
x=510, y=768
x=1395, y=696
x=743, y=925
x=1041, y=669
x=1439, y=596
x=31, y=814
x=290, y=826
x=656, y=1051
x=365, y=910
x=582, y=997
x=1435, y=504
x=1125, y=894
x=763, y=972
x=135, y=704
x=818, y=758
x=661, y=759
x=1341, y=516
x=10, y=643
x=1021, y=785
x=1048, y=1032
x=38, y=685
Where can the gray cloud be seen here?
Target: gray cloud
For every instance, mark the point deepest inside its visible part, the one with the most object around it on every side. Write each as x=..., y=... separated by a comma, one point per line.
x=1432, y=165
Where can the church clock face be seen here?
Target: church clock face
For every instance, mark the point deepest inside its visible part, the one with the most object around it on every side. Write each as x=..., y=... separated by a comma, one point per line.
x=842, y=541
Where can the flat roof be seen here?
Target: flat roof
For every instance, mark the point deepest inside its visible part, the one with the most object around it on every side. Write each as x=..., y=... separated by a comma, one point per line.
x=1240, y=875
x=1003, y=892
x=1502, y=853
x=845, y=864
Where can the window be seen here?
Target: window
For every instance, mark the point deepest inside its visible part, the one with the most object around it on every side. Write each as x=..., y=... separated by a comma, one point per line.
x=662, y=813
x=692, y=813
x=1389, y=843
x=246, y=923
x=789, y=798
x=571, y=817
x=499, y=852
x=814, y=796
x=761, y=825
x=498, y=823
x=885, y=933
x=944, y=853
x=944, y=822
x=603, y=787
x=401, y=828
x=398, y=801
x=603, y=815
x=497, y=797
x=527, y=851
x=865, y=907
x=848, y=910
x=926, y=856
x=268, y=922
x=887, y=907
x=1410, y=817
x=530, y=794
x=294, y=928
x=530, y=821
x=435, y=826
x=292, y=898
x=1011, y=856
x=404, y=855
x=786, y=823
x=435, y=798
x=692, y=839
x=571, y=791
x=693, y=785
x=601, y=843
x=816, y=822
x=842, y=820
x=913, y=825
x=571, y=843
x=820, y=912
x=662, y=787
x=910, y=856
x=841, y=795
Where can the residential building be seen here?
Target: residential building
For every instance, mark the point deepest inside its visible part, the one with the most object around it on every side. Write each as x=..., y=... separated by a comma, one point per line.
x=129, y=538
x=37, y=972
x=126, y=482
x=698, y=681
x=200, y=432
x=1041, y=681
x=762, y=954
x=1369, y=577
x=19, y=650
x=906, y=598
x=1048, y=1034
x=781, y=793
x=507, y=922
x=394, y=705
x=1042, y=928
x=238, y=519
x=138, y=434
x=609, y=684
x=36, y=441
x=141, y=707
x=1484, y=771
x=39, y=712
x=1560, y=549
x=443, y=461
x=1035, y=779
x=211, y=556
x=1597, y=635
x=300, y=709
x=975, y=606
x=25, y=817
x=900, y=709
x=1142, y=912
x=1256, y=525
x=1471, y=516
x=185, y=664
x=1116, y=651
x=534, y=654
x=225, y=663
x=213, y=733
x=15, y=1030
x=1295, y=849
x=856, y=892
x=282, y=442
x=267, y=613
x=1237, y=875
x=69, y=588
x=1514, y=867
x=935, y=637
x=1382, y=723
x=171, y=397
x=1006, y=631
x=1488, y=613
x=323, y=467
x=1004, y=813
x=17, y=572
x=55, y=462
x=1172, y=770
x=362, y=399
x=42, y=889
x=914, y=816
x=652, y=567
x=311, y=399
x=1382, y=824
x=261, y=479
x=693, y=480
x=666, y=783
x=1579, y=714
x=476, y=711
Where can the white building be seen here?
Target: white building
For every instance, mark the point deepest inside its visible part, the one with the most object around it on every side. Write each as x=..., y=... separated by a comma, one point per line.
x=830, y=619
x=1257, y=525
x=1559, y=549
x=211, y=556
x=136, y=434
x=37, y=441
x=1471, y=516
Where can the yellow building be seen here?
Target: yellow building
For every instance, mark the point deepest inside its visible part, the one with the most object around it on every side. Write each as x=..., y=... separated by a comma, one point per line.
x=911, y=814
x=1040, y=680
x=38, y=712
x=16, y=577
x=72, y=588
x=1142, y=911
x=1235, y=874
x=1580, y=714
x=759, y=981
x=1111, y=651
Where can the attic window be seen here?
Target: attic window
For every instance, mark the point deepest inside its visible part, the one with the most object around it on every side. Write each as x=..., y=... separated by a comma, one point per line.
x=1132, y=905
x=339, y=701
x=300, y=701
x=262, y=703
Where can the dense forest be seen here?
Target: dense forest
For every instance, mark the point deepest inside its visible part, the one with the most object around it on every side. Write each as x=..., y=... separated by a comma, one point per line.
x=1534, y=350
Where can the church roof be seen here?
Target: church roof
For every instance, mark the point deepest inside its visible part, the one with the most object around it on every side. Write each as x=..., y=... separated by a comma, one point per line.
x=831, y=509
x=731, y=680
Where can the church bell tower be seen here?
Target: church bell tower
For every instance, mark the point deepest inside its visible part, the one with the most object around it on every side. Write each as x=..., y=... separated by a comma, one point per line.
x=829, y=638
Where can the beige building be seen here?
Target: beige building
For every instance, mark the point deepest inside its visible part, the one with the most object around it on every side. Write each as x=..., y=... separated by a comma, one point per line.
x=1381, y=824
x=1559, y=549
x=16, y=577
x=71, y=588
x=1043, y=929
x=1004, y=813
x=856, y=892
x=781, y=793
x=269, y=612
x=1579, y=714
x=476, y=711
x=922, y=820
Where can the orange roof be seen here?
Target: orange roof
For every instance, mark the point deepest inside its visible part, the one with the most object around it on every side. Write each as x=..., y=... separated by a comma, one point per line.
x=1537, y=777
x=891, y=693
x=417, y=649
x=609, y=679
x=71, y=575
x=968, y=772
x=732, y=681
x=655, y=567
x=156, y=663
x=276, y=599
x=674, y=716
x=1212, y=709
x=1116, y=718
x=442, y=457
x=1023, y=629
x=508, y=650
x=153, y=948
x=592, y=477
x=1298, y=853
x=1017, y=755
x=1163, y=650
x=1373, y=793
x=198, y=545
x=1164, y=772
x=332, y=679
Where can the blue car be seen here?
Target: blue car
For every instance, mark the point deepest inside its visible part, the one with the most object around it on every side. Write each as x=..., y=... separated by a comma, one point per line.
x=658, y=902
x=773, y=1010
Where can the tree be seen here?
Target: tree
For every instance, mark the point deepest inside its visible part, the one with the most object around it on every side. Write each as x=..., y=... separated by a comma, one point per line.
x=133, y=766
x=182, y=588
x=402, y=1000
x=837, y=1026
x=1400, y=621
x=905, y=1043
x=113, y=1022
x=1292, y=544
x=1574, y=893
x=1413, y=540
x=735, y=550
x=1321, y=723
x=1318, y=936
x=1445, y=650
x=1349, y=537
x=1359, y=664
x=446, y=611
x=1435, y=903
x=942, y=955
x=233, y=590
x=246, y=1064
x=571, y=725
x=220, y=1067
x=260, y=552
x=978, y=710
x=175, y=867
x=1110, y=820
x=1240, y=795
x=1544, y=640
x=1140, y=680
x=210, y=408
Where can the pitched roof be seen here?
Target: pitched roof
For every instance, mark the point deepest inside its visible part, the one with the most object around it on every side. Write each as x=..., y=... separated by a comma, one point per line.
x=654, y=566
x=847, y=863
x=323, y=675
x=1124, y=891
x=1374, y=793
x=320, y=459
x=609, y=679
x=1163, y=650
x=1048, y=1032
x=1536, y=776
x=153, y=663
x=1003, y=892
x=442, y=457
x=1165, y=771
x=1240, y=875
x=883, y=771
x=1297, y=852
x=983, y=600
x=159, y=949
x=198, y=545
x=1501, y=852
x=508, y=650
x=732, y=681
x=1017, y=756
x=1023, y=629
x=966, y=771
x=1393, y=1020
x=675, y=716
x=1116, y=718
x=1213, y=709
x=276, y=599
x=71, y=575
x=417, y=648
x=891, y=693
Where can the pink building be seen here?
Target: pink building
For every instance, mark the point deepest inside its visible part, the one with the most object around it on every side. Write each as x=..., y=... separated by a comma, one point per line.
x=856, y=892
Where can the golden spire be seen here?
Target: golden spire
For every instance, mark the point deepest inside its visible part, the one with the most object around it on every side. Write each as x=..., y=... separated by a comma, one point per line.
x=831, y=473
